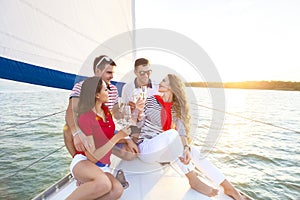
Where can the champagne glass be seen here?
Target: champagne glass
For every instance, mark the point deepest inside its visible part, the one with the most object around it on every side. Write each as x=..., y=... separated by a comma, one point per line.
x=120, y=118
x=127, y=115
x=121, y=104
x=143, y=93
x=135, y=95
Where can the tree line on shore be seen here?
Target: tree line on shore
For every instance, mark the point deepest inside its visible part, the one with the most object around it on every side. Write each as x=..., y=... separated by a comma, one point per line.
x=264, y=85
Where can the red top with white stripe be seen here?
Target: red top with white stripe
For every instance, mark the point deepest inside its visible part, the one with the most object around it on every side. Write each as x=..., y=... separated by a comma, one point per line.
x=93, y=125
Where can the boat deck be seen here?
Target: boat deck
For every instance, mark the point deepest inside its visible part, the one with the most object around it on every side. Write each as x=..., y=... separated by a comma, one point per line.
x=146, y=182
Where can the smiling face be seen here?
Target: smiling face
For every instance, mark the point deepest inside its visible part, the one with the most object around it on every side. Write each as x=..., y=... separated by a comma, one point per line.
x=142, y=73
x=102, y=96
x=164, y=85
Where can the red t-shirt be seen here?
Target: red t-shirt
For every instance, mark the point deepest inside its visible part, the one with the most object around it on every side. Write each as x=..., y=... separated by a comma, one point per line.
x=92, y=124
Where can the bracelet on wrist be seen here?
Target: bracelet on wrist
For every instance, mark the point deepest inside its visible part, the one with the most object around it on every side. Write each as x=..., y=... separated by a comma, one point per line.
x=76, y=132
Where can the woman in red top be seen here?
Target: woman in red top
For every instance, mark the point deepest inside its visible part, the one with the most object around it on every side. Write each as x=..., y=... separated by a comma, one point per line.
x=91, y=167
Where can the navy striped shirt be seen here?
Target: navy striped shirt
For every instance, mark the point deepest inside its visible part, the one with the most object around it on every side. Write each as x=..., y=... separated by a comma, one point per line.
x=151, y=122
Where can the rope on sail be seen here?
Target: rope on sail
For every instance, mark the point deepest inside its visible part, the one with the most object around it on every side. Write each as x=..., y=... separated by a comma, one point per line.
x=27, y=122
x=31, y=164
x=247, y=118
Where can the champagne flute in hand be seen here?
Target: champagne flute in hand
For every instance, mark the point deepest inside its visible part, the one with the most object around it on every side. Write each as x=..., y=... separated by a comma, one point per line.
x=121, y=104
x=143, y=93
x=127, y=115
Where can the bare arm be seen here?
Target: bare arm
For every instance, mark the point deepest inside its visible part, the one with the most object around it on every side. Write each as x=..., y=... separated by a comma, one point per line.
x=183, y=140
x=79, y=141
x=96, y=154
x=69, y=127
x=186, y=151
x=68, y=139
x=71, y=116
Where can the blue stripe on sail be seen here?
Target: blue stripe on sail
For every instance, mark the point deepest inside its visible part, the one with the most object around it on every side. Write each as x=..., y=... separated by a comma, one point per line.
x=28, y=73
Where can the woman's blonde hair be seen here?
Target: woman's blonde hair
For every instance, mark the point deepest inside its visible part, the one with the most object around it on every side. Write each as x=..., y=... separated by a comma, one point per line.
x=180, y=105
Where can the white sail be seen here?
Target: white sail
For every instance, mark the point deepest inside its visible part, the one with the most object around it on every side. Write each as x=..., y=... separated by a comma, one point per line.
x=60, y=35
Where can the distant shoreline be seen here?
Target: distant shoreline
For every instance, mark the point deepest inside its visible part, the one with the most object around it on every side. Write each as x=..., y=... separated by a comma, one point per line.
x=262, y=85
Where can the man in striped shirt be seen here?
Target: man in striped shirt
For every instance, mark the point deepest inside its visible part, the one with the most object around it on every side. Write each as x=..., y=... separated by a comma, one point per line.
x=132, y=90
x=104, y=68
x=107, y=76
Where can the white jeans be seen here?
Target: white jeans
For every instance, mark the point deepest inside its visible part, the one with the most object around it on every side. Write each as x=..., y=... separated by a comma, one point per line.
x=209, y=170
x=165, y=147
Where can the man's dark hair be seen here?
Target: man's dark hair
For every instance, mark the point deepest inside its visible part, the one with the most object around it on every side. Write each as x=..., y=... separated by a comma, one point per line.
x=101, y=61
x=141, y=61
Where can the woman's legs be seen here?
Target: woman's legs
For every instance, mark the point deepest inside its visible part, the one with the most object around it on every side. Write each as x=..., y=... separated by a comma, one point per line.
x=199, y=186
x=115, y=192
x=230, y=190
x=94, y=182
x=214, y=174
x=194, y=181
x=165, y=147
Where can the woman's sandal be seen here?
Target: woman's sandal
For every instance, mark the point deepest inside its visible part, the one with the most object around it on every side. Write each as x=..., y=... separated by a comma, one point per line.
x=121, y=177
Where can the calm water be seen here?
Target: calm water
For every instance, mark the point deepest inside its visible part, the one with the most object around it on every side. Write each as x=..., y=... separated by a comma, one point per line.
x=261, y=160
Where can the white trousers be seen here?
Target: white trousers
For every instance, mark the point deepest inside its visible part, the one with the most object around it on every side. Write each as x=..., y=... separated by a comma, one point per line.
x=167, y=147
x=209, y=170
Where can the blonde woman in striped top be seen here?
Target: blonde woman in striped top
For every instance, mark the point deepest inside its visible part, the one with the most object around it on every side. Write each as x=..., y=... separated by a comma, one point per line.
x=165, y=136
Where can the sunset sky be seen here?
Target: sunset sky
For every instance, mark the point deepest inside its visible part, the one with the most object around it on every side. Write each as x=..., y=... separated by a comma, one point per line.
x=246, y=39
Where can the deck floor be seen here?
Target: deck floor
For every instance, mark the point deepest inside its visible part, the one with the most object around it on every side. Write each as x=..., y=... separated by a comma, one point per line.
x=148, y=182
